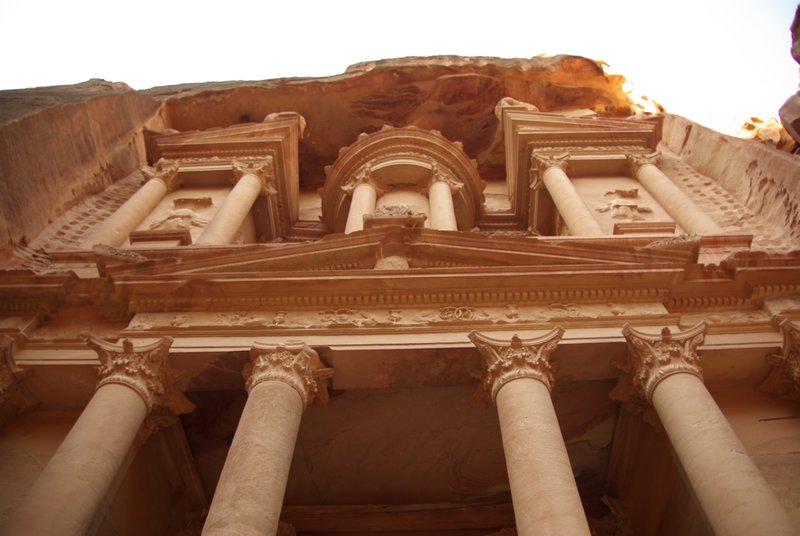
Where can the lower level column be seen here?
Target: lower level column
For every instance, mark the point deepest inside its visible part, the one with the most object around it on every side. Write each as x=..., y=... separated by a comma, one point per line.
x=543, y=490
x=249, y=495
x=730, y=489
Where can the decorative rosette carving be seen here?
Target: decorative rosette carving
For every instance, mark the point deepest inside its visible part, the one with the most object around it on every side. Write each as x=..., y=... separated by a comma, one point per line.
x=166, y=171
x=263, y=168
x=143, y=368
x=635, y=161
x=784, y=378
x=293, y=363
x=655, y=357
x=520, y=358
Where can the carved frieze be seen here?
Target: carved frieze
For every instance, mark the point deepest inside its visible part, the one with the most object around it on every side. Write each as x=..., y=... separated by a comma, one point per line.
x=784, y=378
x=145, y=369
x=507, y=361
x=263, y=168
x=164, y=170
x=293, y=363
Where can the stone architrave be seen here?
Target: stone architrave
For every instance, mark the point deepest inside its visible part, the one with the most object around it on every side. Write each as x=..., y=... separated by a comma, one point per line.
x=551, y=170
x=69, y=495
x=284, y=380
x=364, y=194
x=784, y=378
x=440, y=196
x=665, y=370
x=253, y=177
x=518, y=378
x=677, y=204
x=114, y=231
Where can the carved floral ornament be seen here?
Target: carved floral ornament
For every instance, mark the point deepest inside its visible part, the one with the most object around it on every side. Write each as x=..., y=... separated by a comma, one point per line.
x=652, y=358
x=293, y=363
x=636, y=161
x=263, y=168
x=784, y=378
x=164, y=170
x=520, y=358
x=541, y=162
x=143, y=368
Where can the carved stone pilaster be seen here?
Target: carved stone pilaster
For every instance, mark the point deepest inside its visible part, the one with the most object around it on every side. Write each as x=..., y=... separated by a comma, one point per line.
x=541, y=162
x=437, y=175
x=655, y=357
x=145, y=369
x=520, y=358
x=784, y=378
x=263, y=168
x=166, y=170
x=293, y=363
x=635, y=161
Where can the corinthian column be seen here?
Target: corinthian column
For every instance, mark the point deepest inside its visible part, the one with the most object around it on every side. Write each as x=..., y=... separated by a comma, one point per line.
x=440, y=197
x=675, y=202
x=518, y=378
x=68, y=497
x=574, y=212
x=364, y=195
x=114, y=231
x=665, y=370
x=253, y=178
x=285, y=379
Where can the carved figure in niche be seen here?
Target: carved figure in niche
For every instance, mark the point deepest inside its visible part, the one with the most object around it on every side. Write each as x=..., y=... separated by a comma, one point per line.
x=625, y=208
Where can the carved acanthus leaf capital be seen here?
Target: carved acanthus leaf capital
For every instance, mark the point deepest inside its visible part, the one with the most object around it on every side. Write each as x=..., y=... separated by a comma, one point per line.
x=143, y=368
x=439, y=175
x=784, y=378
x=364, y=175
x=520, y=358
x=655, y=357
x=635, y=161
x=164, y=170
x=263, y=168
x=541, y=162
x=293, y=363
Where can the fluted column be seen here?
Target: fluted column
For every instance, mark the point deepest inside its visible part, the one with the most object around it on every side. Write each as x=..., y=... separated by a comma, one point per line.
x=675, y=202
x=253, y=178
x=285, y=379
x=364, y=196
x=574, y=212
x=114, y=231
x=518, y=378
x=440, y=197
x=76, y=484
x=665, y=370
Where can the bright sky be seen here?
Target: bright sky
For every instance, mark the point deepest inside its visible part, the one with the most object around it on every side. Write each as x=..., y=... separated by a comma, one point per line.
x=727, y=59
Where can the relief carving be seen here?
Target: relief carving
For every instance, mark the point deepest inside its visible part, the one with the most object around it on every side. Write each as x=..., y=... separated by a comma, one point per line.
x=345, y=317
x=784, y=377
x=625, y=208
x=507, y=361
x=636, y=161
x=179, y=218
x=263, y=168
x=293, y=363
x=166, y=171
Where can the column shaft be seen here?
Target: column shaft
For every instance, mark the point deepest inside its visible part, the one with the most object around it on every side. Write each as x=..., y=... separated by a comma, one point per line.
x=573, y=210
x=675, y=202
x=443, y=215
x=115, y=230
x=73, y=486
x=222, y=228
x=729, y=487
x=365, y=195
x=250, y=491
x=543, y=490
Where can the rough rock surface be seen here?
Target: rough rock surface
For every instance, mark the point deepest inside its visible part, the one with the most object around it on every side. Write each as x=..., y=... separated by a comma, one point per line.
x=790, y=111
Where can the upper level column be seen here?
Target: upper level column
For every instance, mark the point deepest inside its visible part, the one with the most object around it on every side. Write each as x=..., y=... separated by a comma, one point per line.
x=364, y=194
x=253, y=178
x=675, y=202
x=518, y=378
x=115, y=230
x=574, y=212
x=285, y=379
x=71, y=491
x=665, y=370
x=440, y=197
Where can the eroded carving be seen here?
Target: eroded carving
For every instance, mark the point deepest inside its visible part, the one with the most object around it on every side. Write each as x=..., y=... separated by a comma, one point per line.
x=11, y=376
x=263, y=168
x=636, y=161
x=346, y=317
x=293, y=363
x=164, y=170
x=179, y=218
x=784, y=377
x=507, y=361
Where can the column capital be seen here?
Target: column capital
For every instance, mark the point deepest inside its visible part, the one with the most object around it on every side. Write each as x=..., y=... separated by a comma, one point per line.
x=293, y=363
x=655, y=357
x=635, y=161
x=145, y=369
x=437, y=175
x=263, y=168
x=364, y=175
x=505, y=361
x=164, y=170
x=784, y=378
x=541, y=162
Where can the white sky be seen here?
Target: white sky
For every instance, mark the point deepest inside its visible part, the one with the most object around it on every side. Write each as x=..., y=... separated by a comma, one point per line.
x=699, y=58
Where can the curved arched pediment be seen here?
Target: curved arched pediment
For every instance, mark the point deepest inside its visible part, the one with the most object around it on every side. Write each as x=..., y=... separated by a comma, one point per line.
x=402, y=159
